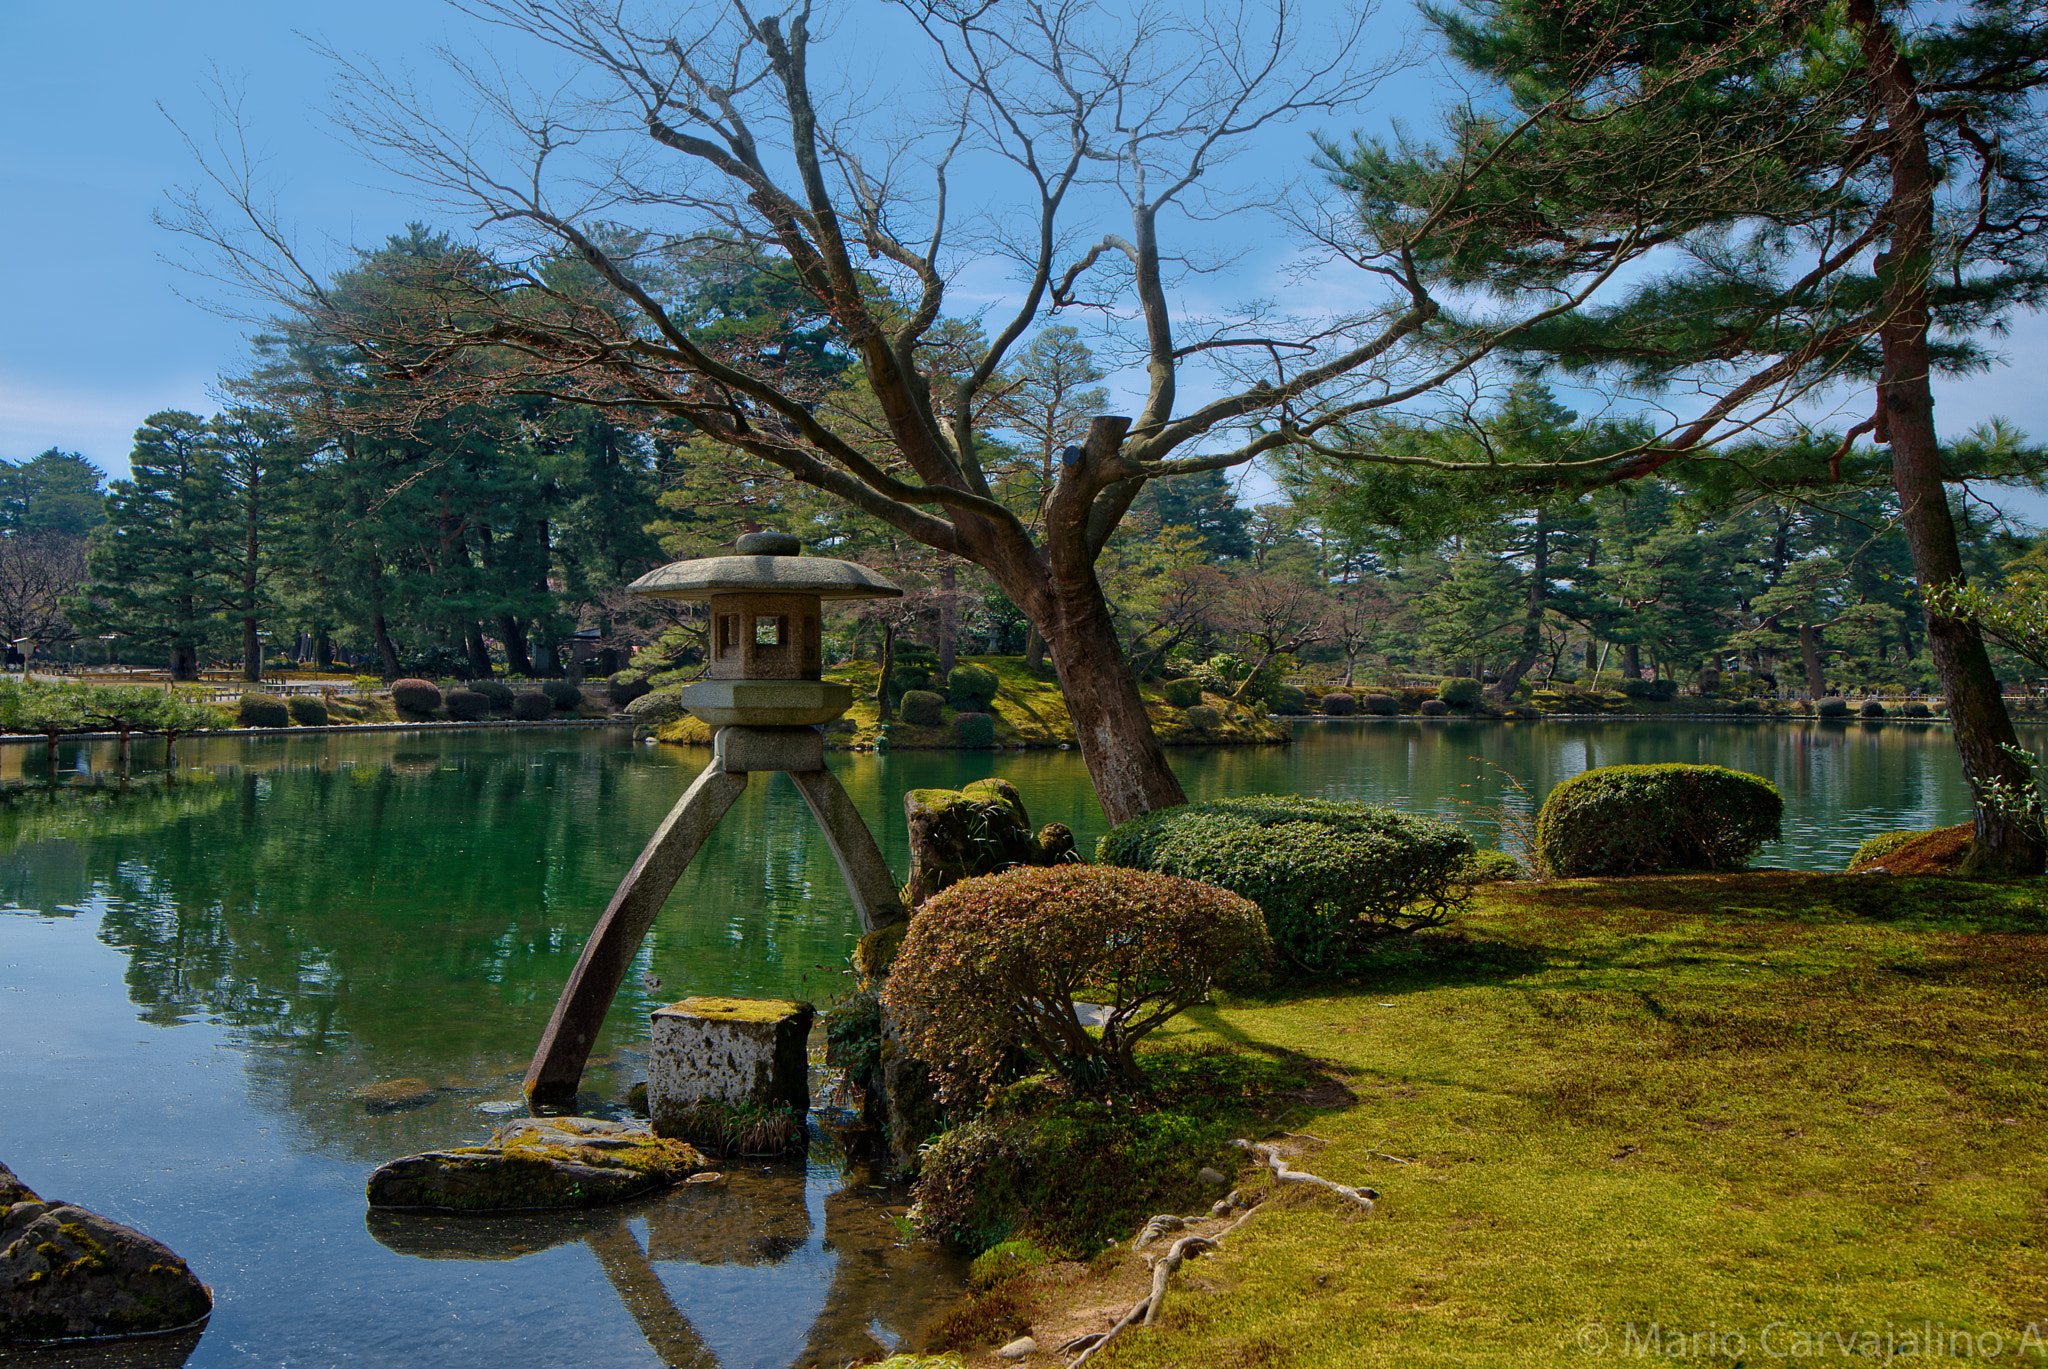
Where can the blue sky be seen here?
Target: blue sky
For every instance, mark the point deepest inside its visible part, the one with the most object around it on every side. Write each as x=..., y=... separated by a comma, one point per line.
x=100, y=331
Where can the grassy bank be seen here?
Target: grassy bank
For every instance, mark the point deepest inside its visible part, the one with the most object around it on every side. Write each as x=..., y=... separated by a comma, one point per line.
x=1029, y=710
x=1716, y=1104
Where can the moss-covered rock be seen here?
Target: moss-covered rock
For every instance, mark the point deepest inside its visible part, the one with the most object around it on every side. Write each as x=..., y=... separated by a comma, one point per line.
x=955, y=834
x=538, y=1163
x=67, y=1273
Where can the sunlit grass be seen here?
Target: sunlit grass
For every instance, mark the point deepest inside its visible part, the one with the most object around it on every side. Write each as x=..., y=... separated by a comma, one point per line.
x=1713, y=1104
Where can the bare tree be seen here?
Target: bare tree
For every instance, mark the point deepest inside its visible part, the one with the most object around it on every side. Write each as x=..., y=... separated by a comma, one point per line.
x=1090, y=131
x=39, y=573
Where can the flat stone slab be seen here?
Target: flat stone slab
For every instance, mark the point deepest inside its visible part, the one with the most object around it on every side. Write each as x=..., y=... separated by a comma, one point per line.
x=765, y=703
x=70, y=1274
x=537, y=1163
x=741, y=1051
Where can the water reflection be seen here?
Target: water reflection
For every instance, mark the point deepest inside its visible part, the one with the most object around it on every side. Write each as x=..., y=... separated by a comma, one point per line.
x=780, y=1265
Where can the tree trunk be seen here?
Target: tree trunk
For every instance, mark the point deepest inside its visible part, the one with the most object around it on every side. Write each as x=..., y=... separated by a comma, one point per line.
x=1124, y=758
x=1034, y=649
x=1809, y=656
x=517, y=661
x=323, y=649
x=252, y=652
x=885, y=710
x=2006, y=843
x=479, y=654
x=1532, y=611
x=1631, y=662
x=184, y=662
x=949, y=621
x=387, y=654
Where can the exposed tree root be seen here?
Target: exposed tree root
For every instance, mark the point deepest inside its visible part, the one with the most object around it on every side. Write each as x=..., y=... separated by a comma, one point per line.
x=1271, y=1159
x=1147, y=1308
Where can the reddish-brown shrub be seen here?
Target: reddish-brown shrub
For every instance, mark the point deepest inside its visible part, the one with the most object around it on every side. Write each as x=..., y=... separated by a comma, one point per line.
x=416, y=696
x=995, y=963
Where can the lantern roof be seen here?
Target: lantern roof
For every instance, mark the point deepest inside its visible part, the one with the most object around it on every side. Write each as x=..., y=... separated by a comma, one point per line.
x=764, y=563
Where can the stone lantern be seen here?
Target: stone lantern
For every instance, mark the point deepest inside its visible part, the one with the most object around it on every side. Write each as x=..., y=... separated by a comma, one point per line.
x=763, y=694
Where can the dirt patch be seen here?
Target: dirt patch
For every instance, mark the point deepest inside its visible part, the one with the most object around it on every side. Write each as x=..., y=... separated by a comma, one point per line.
x=1939, y=852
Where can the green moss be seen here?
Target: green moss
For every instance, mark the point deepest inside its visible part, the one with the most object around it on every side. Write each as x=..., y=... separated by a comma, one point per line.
x=875, y=952
x=743, y=1009
x=1003, y=1262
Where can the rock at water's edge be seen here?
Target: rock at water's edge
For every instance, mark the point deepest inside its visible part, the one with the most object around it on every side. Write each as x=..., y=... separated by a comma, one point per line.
x=534, y=1163
x=66, y=1273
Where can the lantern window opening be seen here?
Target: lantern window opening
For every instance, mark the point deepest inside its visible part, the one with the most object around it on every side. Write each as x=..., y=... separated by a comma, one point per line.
x=773, y=632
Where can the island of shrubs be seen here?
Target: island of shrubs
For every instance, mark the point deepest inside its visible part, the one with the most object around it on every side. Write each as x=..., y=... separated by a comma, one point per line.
x=1049, y=1138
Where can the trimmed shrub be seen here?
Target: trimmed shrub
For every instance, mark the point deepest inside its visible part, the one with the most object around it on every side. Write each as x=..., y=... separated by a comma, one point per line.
x=1871, y=709
x=1288, y=700
x=1203, y=718
x=992, y=964
x=1883, y=844
x=1382, y=705
x=1001, y=1263
x=974, y=730
x=970, y=1185
x=262, y=710
x=467, y=705
x=625, y=687
x=1330, y=876
x=306, y=711
x=1916, y=709
x=1710, y=680
x=1433, y=708
x=1460, y=691
x=971, y=687
x=652, y=710
x=1339, y=705
x=922, y=708
x=531, y=706
x=1181, y=693
x=1660, y=691
x=416, y=696
x=1630, y=819
x=1489, y=867
x=1833, y=708
x=563, y=694
x=496, y=692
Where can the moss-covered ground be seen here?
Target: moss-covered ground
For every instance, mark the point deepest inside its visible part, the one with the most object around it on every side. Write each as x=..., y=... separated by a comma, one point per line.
x=1749, y=1110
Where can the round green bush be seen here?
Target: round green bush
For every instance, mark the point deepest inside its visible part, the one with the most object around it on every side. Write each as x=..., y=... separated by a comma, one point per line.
x=1001, y=1263
x=1330, y=876
x=974, y=730
x=1184, y=693
x=625, y=687
x=1710, y=680
x=1339, y=705
x=971, y=687
x=497, y=692
x=306, y=711
x=1629, y=819
x=1203, y=718
x=1460, y=691
x=468, y=705
x=416, y=696
x=1490, y=867
x=992, y=965
x=262, y=710
x=1833, y=708
x=1433, y=708
x=922, y=708
x=652, y=710
x=531, y=706
x=1916, y=709
x=1382, y=705
x=971, y=1184
x=1287, y=700
x=563, y=694
x=1871, y=709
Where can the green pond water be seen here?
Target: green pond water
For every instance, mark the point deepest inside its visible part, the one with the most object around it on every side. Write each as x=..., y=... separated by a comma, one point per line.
x=193, y=978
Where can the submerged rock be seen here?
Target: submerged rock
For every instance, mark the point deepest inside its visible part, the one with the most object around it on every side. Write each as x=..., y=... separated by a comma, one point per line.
x=537, y=1163
x=70, y=1274
x=395, y=1095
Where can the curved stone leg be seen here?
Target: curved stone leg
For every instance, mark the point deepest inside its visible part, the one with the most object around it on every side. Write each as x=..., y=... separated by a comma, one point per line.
x=861, y=865
x=557, y=1067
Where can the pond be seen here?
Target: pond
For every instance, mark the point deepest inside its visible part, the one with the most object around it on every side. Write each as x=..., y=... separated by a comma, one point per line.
x=193, y=979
